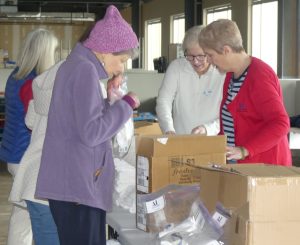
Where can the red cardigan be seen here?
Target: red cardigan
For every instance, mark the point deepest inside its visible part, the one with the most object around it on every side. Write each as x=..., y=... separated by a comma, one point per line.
x=261, y=122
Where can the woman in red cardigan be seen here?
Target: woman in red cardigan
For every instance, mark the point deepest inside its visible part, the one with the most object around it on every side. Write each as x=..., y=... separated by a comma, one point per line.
x=252, y=113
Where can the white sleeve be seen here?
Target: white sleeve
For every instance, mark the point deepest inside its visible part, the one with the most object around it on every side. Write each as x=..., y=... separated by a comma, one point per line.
x=30, y=115
x=166, y=96
x=212, y=128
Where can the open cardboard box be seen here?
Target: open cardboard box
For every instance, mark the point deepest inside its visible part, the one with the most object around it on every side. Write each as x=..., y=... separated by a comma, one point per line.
x=264, y=199
x=164, y=160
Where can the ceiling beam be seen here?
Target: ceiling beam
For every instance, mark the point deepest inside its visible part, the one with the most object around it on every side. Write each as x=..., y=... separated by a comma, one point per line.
x=75, y=1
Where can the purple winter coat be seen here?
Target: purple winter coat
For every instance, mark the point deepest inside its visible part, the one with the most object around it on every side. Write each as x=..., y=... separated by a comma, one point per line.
x=77, y=145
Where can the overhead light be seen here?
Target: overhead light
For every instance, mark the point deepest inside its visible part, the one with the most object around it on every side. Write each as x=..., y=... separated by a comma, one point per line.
x=45, y=16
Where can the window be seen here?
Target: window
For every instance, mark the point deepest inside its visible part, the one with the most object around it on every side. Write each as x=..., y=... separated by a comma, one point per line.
x=177, y=28
x=128, y=64
x=216, y=13
x=153, y=42
x=264, y=31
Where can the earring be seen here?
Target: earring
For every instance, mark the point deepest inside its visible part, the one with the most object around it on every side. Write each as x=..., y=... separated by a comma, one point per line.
x=102, y=63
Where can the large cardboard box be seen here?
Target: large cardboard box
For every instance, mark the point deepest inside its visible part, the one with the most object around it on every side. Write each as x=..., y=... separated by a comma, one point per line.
x=264, y=200
x=164, y=160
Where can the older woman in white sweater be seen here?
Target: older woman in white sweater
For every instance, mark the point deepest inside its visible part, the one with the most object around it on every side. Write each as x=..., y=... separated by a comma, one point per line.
x=191, y=92
x=24, y=185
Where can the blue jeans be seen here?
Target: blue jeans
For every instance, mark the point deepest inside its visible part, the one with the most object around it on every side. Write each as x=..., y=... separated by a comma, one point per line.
x=43, y=227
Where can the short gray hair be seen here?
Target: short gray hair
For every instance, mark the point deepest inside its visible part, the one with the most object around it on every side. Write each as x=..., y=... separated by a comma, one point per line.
x=37, y=52
x=133, y=53
x=191, y=37
x=220, y=33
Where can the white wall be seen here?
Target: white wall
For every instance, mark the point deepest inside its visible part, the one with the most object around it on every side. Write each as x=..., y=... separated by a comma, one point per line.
x=147, y=83
x=4, y=74
x=291, y=94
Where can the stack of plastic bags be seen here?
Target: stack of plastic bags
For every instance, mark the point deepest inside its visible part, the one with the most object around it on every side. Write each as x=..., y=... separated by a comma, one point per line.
x=123, y=145
x=124, y=193
x=178, y=217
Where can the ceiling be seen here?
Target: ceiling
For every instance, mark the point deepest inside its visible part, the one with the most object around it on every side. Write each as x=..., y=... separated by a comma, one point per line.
x=97, y=7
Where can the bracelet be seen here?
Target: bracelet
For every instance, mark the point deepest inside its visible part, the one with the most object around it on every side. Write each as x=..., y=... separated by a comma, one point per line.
x=129, y=100
x=242, y=152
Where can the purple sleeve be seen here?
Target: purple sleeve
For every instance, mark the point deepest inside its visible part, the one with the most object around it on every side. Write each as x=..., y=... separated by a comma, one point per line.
x=96, y=122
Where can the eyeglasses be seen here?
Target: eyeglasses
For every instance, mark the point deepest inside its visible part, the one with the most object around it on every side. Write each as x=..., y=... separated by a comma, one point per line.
x=200, y=57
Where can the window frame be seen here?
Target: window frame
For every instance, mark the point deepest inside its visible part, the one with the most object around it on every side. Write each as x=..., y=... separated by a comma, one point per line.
x=215, y=9
x=147, y=23
x=172, y=19
x=260, y=2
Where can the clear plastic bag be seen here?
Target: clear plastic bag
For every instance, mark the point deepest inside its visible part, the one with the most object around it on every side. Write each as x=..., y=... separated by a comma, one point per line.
x=117, y=93
x=177, y=216
x=123, y=139
x=167, y=207
x=198, y=229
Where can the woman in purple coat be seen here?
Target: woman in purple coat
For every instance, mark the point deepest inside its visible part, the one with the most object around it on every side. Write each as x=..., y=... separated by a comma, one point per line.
x=77, y=168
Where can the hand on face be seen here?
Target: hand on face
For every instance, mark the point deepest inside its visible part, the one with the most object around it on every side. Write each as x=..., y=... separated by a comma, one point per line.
x=113, y=85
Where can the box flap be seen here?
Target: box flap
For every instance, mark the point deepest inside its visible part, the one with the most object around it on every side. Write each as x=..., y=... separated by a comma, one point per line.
x=180, y=144
x=241, y=231
x=256, y=170
x=220, y=186
x=146, y=128
x=237, y=228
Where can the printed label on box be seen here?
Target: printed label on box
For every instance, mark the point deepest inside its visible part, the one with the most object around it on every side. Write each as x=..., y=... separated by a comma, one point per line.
x=142, y=174
x=181, y=170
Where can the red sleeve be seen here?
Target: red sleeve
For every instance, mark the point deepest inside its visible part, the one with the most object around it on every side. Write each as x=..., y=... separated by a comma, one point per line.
x=26, y=93
x=268, y=107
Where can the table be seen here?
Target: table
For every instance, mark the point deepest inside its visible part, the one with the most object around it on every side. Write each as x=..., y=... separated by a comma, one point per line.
x=122, y=226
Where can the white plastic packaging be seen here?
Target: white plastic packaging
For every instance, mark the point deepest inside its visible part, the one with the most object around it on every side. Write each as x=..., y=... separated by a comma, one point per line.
x=123, y=139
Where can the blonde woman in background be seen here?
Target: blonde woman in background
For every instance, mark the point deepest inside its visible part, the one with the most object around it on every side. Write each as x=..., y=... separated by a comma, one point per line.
x=36, y=55
x=190, y=95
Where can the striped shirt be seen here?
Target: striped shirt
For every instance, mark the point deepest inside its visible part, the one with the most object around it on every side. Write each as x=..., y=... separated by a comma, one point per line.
x=227, y=120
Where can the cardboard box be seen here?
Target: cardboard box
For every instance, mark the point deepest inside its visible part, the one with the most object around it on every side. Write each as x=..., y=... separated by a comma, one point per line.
x=264, y=200
x=146, y=128
x=164, y=160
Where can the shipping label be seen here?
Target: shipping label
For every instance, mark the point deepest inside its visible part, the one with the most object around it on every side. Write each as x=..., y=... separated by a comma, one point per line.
x=142, y=169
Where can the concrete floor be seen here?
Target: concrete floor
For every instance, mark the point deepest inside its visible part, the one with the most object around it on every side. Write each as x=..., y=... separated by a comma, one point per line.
x=5, y=206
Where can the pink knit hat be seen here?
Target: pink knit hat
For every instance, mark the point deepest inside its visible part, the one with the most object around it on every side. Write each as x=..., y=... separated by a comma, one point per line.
x=111, y=34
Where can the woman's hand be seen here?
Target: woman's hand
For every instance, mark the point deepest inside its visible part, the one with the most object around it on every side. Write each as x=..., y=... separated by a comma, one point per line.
x=236, y=153
x=199, y=130
x=170, y=132
x=113, y=92
x=132, y=99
